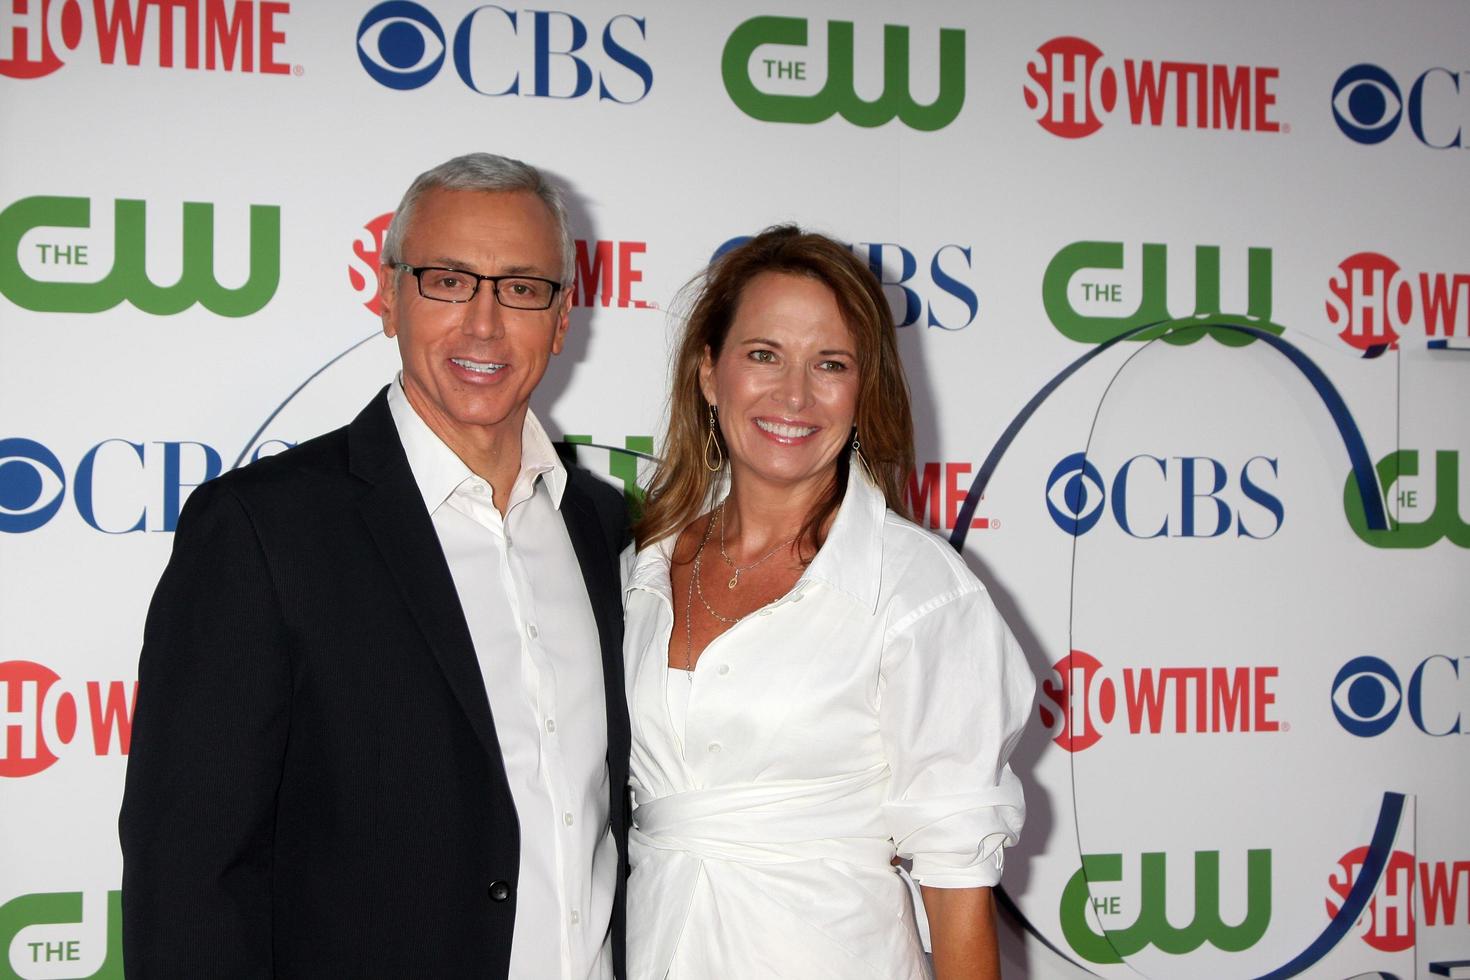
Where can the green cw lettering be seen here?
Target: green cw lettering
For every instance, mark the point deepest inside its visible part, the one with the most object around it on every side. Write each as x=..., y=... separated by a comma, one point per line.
x=623, y=465
x=1152, y=927
x=46, y=950
x=1443, y=522
x=128, y=278
x=838, y=95
x=1153, y=305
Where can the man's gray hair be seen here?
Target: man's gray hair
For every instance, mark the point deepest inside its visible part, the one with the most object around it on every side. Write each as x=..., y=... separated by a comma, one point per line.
x=482, y=172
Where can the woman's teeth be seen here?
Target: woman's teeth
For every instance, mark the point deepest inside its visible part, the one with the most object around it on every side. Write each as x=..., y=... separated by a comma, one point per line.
x=785, y=431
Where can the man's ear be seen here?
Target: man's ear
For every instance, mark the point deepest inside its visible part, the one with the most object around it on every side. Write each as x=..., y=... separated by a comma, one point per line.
x=387, y=297
x=563, y=318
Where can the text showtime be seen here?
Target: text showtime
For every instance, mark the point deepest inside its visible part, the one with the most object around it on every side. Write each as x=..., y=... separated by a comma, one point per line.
x=39, y=36
x=1080, y=701
x=40, y=717
x=1072, y=89
x=1375, y=302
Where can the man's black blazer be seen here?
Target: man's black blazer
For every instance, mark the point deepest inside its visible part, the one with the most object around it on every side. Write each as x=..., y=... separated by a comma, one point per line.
x=315, y=789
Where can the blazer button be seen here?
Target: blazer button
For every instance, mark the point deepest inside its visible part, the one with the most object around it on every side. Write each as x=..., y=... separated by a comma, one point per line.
x=499, y=891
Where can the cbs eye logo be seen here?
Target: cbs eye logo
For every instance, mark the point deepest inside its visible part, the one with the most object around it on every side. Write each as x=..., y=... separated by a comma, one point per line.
x=32, y=485
x=1367, y=104
x=1074, y=494
x=1366, y=696
x=401, y=45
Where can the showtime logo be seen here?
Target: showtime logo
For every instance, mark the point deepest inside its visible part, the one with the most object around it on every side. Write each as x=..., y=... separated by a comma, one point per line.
x=1388, y=923
x=1375, y=303
x=40, y=717
x=1079, y=702
x=39, y=36
x=605, y=271
x=367, y=253
x=931, y=483
x=1072, y=89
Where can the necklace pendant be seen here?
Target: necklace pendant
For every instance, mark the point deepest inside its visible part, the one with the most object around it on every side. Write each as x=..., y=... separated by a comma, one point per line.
x=734, y=580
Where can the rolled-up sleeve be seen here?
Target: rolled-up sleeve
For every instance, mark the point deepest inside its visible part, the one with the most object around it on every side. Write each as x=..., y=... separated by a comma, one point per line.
x=954, y=693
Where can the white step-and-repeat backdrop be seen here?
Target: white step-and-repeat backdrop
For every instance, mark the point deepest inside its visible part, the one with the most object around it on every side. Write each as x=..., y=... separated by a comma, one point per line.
x=1248, y=756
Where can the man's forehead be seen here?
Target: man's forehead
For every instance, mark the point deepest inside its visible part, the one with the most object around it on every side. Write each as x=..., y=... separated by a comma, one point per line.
x=523, y=204
x=446, y=220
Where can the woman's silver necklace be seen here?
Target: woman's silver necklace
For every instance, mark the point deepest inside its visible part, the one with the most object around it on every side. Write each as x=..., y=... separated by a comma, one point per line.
x=735, y=578
x=689, y=603
x=696, y=587
x=699, y=588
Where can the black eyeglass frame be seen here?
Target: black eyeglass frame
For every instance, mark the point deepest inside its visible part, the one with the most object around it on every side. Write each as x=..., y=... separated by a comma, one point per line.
x=417, y=271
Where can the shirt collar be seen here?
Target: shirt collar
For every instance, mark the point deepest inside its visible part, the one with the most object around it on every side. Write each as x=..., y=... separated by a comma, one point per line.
x=439, y=472
x=850, y=560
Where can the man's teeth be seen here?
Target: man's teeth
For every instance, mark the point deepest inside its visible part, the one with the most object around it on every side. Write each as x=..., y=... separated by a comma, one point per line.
x=479, y=367
x=785, y=431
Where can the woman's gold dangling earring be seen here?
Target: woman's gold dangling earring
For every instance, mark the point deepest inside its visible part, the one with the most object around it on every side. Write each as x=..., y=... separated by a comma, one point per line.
x=712, y=446
x=857, y=447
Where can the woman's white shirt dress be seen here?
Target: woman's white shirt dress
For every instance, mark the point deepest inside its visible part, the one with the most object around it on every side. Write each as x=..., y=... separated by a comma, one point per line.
x=869, y=710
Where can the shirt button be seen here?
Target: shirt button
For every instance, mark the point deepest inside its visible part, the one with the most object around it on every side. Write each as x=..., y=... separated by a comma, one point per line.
x=724, y=669
x=576, y=917
x=715, y=747
x=531, y=631
x=566, y=818
x=551, y=724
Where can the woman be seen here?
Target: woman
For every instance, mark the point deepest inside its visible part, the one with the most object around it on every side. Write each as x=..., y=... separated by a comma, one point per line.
x=816, y=684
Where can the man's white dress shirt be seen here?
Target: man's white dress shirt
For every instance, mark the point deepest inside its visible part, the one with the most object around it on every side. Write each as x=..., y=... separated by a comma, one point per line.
x=526, y=605
x=869, y=711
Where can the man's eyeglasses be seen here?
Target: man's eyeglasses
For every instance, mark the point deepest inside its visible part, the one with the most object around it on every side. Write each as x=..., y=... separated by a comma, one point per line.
x=459, y=286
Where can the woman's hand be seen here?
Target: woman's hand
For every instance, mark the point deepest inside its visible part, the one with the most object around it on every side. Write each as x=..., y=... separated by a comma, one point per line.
x=962, y=932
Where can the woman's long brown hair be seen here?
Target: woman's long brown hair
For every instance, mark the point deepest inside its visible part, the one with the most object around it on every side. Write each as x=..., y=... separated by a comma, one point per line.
x=680, y=489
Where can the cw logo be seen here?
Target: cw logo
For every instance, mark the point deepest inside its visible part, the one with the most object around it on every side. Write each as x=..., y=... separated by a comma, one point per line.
x=128, y=278
x=77, y=935
x=1075, y=268
x=1151, y=925
x=1444, y=520
x=839, y=95
x=622, y=462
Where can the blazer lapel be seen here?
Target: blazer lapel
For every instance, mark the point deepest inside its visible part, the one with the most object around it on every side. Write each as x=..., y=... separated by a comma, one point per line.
x=403, y=531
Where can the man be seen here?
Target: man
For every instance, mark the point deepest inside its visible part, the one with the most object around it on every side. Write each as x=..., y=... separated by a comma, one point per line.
x=380, y=729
